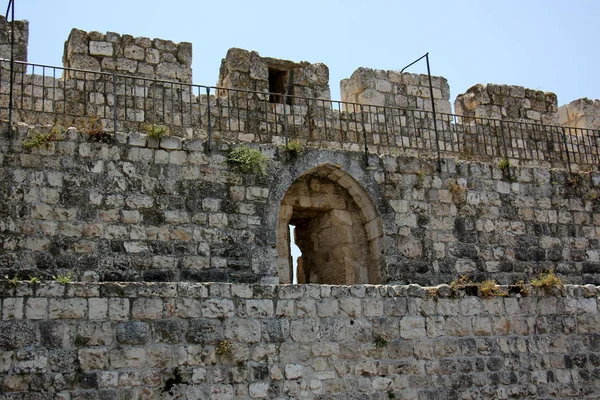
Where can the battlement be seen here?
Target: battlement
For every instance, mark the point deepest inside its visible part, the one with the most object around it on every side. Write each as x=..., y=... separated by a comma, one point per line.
x=129, y=82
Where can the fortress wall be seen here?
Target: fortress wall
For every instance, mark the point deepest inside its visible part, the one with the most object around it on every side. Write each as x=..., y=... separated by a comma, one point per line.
x=505, y=102
x=151, y=340
x=140, y=209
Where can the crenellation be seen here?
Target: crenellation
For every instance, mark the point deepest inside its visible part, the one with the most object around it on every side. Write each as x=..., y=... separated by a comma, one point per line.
x=514, y=103
x=580, y=113
x=392, y=89
x=114, y=53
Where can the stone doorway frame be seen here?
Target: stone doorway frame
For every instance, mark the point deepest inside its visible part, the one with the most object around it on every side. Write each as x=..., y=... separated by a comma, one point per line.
x=371, y=222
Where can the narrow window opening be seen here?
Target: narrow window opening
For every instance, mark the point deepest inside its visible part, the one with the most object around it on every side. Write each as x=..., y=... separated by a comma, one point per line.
x=278, y=83
x=296, y=254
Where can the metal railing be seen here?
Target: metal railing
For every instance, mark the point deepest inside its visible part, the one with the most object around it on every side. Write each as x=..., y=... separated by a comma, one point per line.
x=122, y=102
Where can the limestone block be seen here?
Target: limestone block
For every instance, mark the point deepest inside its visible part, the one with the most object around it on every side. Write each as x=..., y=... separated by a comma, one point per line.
x=94, y=333
x=93, y=358
x=217, y=308
x=144, y=308
x=67, y=308
x=132, y=332
x=412, y=327
x=304, y=330
x=132, y=51
x=127, y=357
x=293, y=371
x=243, y=330
x=36, y=308
x=101, y=48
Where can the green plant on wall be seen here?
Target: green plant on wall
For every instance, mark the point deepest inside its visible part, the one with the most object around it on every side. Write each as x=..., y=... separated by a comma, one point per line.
x=224, y=348
x=504, y=164
x=37, y=138
x=156, y=131
x=294, y=148
x=248, y=160
x=64, y=279
x=547, y=281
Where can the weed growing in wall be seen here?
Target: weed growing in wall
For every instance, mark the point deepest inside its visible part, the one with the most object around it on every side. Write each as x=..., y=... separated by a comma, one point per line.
x=224, y=348
x=37, y=138
x=294, y=148
x=248, y=160
x=381, y=341
x=96, y=132
x=14, y=281
x=490, y=288
x=64, y=279
x=156, y=131
x=547, y=281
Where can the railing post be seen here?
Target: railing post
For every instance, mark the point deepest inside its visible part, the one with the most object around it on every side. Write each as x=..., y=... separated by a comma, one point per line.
x=362, y=122
x=115, y=105
x=504, y=145
x=437, y=141
x=11, y=5
x=209, y=143
x=566, y=149
x=285, y=130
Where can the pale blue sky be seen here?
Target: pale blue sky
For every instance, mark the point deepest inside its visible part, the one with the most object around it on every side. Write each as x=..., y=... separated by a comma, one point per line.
x=549, y=45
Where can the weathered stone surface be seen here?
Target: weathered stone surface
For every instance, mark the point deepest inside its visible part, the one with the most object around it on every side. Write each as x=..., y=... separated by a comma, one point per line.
x=133, y=333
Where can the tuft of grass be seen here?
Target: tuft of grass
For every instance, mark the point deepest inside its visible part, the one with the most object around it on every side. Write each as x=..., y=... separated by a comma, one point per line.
x=460, y=283
x=64, y=279
x=34, y=280
x=381, y=341
x=504, y=164
x=14, y=281
x=156, y=131
x=294, y=147
x=458, y=192
x=37, y=138
x=96, y=132
x=420, y=180
x=489, y=288
x=248, y=160
x=224, y=348
x=547, y=280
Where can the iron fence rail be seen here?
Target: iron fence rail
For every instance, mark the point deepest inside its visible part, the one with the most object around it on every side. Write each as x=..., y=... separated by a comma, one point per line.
x=123, y=102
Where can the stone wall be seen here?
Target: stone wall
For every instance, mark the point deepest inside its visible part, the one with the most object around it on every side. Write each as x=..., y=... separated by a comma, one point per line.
x=124, y=54
x=247, y=70
x=392, y=89
x=514, y=103
x=580, y=113
x=221, y=342
x=21, y=39
x=140, y=209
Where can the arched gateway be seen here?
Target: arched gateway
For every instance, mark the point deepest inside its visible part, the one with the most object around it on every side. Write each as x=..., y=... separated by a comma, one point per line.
x=337, y=228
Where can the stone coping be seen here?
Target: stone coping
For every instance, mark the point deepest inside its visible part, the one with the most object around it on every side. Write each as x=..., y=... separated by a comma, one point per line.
x=53, y=289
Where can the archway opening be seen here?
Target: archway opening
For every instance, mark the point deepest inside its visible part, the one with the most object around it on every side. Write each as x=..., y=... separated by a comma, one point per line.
x=336, y=229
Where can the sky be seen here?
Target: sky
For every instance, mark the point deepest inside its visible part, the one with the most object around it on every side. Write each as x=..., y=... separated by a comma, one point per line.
x=547, y=45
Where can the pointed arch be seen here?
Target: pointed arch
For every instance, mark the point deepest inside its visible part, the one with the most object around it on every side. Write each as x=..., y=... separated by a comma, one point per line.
x=337, y=227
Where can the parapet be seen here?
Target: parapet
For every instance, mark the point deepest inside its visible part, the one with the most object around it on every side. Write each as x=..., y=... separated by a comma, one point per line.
x=125, y=54
x=392, y=89
x=581, y=113
x=514, y=103
x=247, y=70
x=21, y=39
